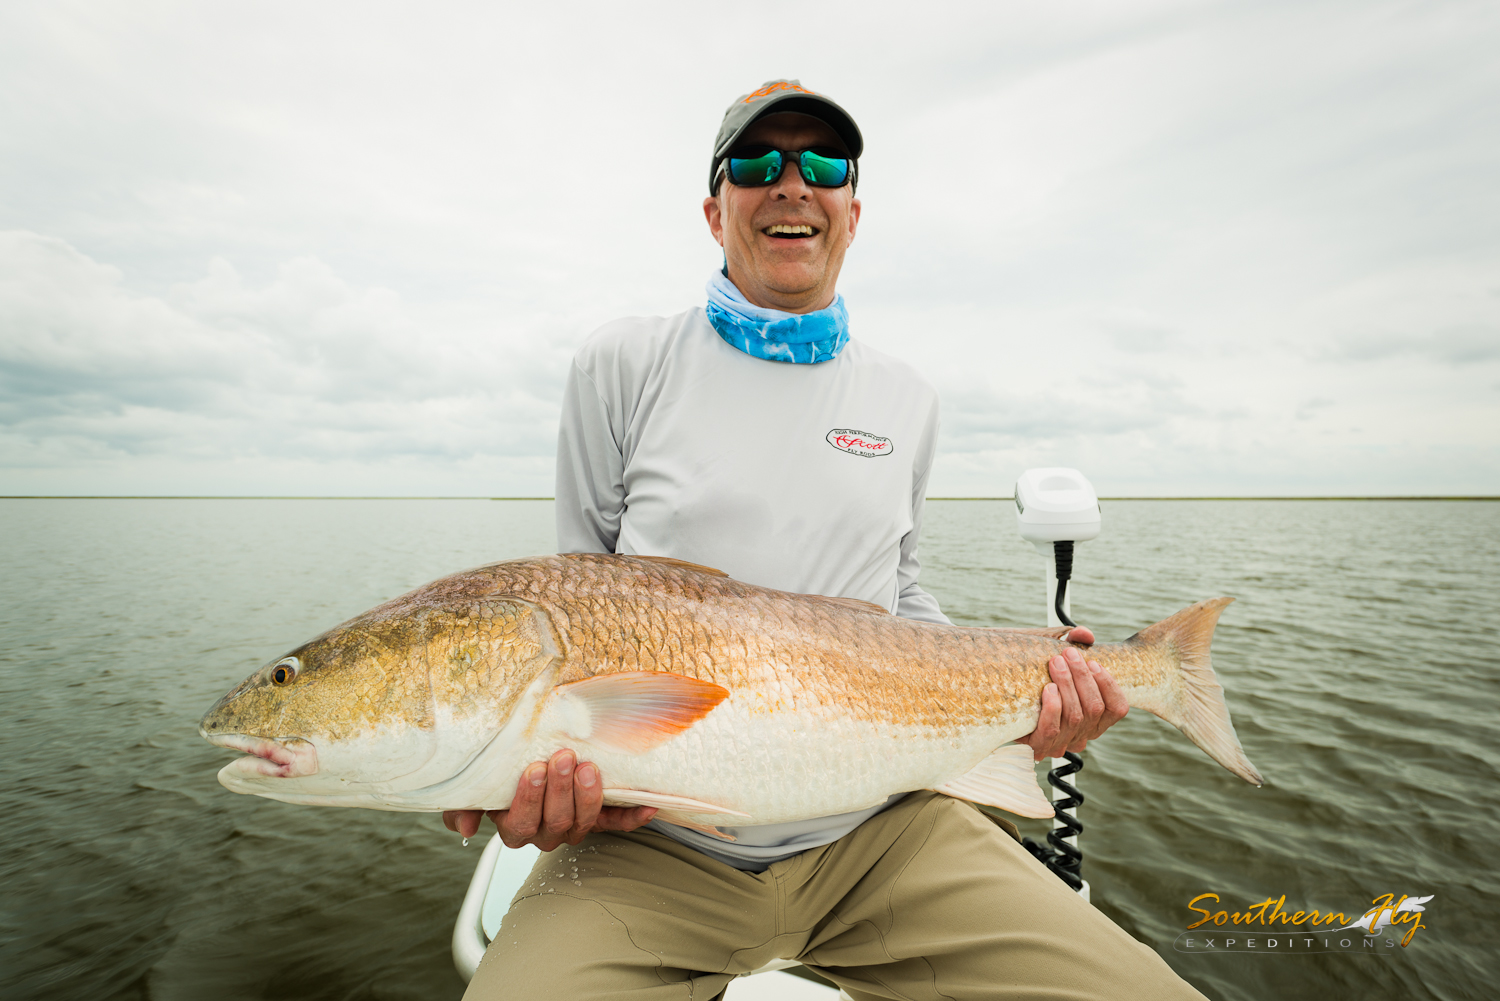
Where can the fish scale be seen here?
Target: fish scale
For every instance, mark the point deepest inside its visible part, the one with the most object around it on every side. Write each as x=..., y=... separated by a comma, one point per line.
x=718, y=701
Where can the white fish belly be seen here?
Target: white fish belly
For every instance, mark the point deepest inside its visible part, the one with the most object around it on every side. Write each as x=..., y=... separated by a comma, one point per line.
x=779, y=766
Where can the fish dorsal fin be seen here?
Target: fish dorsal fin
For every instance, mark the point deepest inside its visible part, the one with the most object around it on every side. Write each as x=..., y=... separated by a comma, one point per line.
x=682, y=564
x=1052, y=633
x=1006, y=779
x=856, y=604
x=633, y=711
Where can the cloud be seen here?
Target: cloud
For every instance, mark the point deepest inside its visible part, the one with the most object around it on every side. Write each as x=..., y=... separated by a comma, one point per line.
x=979, y=419
x=1456, y=345
x=305, y=367
x=1138, y=332
x=1190, y=246
x=1309, y=408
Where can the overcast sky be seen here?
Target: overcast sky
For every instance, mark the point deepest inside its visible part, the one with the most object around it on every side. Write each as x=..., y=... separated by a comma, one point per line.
x=349, y=248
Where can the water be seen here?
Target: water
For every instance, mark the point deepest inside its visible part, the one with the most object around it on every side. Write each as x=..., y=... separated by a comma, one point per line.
x=1359, y=660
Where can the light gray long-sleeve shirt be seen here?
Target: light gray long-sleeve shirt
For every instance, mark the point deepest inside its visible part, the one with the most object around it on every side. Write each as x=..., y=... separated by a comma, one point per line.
x=806, y=478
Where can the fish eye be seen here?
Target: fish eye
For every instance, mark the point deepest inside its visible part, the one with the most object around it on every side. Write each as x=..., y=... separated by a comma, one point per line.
x=285, y=672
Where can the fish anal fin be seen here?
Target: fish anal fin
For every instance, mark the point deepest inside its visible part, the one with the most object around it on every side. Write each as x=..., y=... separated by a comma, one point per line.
x=683, y=564
x=683, y=821
x=633, y=711
x=1006, y=779
x=673, y=809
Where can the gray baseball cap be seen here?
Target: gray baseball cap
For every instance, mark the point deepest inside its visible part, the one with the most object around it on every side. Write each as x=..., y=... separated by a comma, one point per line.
x=781, y=95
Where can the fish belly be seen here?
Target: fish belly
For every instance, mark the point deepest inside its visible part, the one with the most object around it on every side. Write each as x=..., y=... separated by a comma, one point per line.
x=781, y=766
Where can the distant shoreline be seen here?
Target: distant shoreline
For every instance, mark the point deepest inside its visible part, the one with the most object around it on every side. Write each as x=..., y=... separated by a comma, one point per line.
x=1391, y=497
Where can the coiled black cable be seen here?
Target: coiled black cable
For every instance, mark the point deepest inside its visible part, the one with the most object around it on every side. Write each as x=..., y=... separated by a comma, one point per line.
x=1065, y=860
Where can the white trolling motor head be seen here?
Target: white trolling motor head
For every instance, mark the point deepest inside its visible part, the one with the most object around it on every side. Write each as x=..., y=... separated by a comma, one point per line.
x=1056, y=504
x=1056, y=507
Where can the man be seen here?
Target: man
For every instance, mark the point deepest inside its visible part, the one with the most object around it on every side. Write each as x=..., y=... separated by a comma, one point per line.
x=754, y=436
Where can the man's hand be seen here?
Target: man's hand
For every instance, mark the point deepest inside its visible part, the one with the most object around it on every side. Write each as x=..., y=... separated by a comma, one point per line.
x=556, y=802
x=1081, y=703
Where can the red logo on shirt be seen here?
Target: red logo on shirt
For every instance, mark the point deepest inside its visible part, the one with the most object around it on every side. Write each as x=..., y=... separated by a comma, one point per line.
x=859, y=442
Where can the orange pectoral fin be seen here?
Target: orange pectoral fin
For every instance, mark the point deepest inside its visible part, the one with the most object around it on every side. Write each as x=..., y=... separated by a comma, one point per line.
x=635, y=710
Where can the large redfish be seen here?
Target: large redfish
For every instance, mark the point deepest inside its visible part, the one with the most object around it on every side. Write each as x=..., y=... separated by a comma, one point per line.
x=721, y=703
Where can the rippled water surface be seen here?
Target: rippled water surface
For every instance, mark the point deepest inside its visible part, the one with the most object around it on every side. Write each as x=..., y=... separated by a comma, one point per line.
x=1360, y=663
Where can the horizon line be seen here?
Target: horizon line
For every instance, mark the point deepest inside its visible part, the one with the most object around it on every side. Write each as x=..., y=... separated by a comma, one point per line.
x=1206, y=497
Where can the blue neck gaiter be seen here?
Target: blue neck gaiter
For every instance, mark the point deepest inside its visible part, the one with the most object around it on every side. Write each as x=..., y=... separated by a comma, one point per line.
x=802, y=338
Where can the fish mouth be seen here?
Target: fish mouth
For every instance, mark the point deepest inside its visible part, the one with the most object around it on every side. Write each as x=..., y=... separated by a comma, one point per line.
x=279, y=758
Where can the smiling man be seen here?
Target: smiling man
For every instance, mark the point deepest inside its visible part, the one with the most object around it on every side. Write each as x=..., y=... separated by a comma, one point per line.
x=755, y=436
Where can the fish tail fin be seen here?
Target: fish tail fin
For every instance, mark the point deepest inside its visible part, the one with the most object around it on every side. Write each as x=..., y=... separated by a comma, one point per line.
x=1193, y=701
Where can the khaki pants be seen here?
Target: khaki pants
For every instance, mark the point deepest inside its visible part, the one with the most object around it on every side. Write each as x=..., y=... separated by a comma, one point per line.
x=927, y=900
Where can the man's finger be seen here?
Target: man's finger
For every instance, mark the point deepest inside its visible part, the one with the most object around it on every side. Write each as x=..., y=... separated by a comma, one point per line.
x=1089, y=699
x=588, y=800
x=557, y=807
x=1082, y=635
x=522, y=821
x=463, y=822
x=1072, y=712
x=1116, y=706
x=1048, y=725
x=623, y=818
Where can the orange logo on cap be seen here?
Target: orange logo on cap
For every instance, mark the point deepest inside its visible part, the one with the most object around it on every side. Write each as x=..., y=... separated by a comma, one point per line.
x=772, y=88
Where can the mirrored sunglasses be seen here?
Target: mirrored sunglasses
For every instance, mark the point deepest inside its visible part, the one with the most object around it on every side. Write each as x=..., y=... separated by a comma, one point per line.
x=757, y=166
